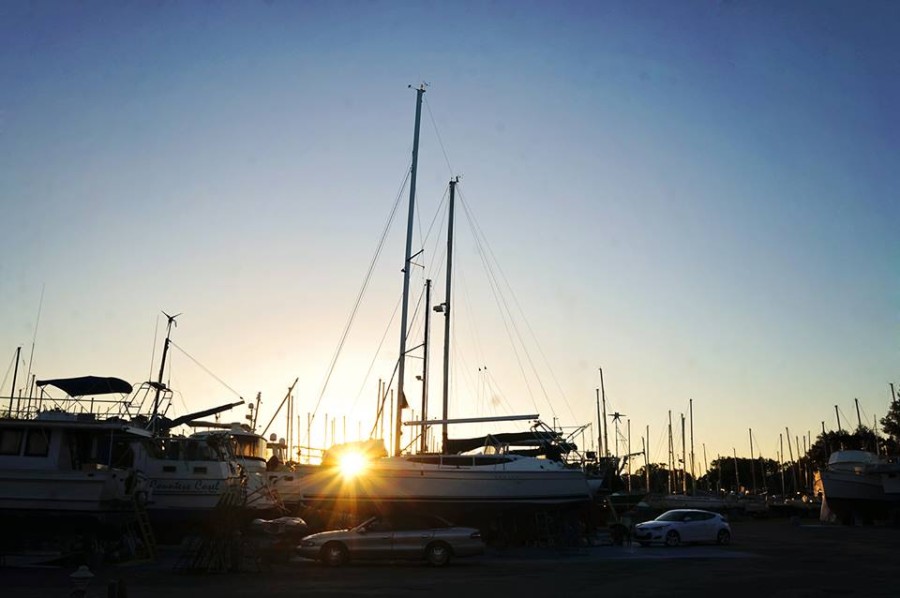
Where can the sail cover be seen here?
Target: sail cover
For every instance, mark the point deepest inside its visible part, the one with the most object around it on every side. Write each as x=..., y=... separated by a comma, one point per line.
x=536, y=437
x=88, y=385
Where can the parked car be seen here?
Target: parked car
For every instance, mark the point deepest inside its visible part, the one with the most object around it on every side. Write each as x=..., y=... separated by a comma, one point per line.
x=684, y=525
x=409, y=536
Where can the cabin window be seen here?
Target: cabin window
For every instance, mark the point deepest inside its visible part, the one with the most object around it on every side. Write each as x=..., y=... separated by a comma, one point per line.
x=37, y=443
x=11, y=441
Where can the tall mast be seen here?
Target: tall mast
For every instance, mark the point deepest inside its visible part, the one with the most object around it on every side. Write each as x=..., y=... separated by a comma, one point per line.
x=446, y=309
x=781, y=461
x=752, y=471
x=671, y=457
x=629, y=453
x=599, y=427
x=162, y=368
x=737, y=474
x=424, y=439
x=605, y=425
x=693, y=473
x=647, y=458
x=683, y=459
x=404, y=317
x=12, y=392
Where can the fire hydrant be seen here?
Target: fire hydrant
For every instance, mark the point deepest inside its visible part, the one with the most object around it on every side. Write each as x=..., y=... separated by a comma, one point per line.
x=80, y=579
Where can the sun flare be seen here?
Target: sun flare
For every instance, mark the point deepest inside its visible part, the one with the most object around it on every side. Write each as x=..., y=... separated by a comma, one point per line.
x=352, y=464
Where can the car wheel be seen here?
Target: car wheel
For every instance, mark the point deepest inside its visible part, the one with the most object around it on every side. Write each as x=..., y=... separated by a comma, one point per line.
x=437, y=554
x=334, y=554
x=673, y=538
x=723, y=537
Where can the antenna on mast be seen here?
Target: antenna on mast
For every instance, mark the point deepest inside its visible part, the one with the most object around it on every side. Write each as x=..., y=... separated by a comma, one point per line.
x=162, y=366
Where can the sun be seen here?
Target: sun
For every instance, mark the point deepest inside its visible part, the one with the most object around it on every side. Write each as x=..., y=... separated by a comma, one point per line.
x=352, y=464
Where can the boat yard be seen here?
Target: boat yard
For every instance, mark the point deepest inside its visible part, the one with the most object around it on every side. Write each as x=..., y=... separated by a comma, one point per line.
x=646, y=248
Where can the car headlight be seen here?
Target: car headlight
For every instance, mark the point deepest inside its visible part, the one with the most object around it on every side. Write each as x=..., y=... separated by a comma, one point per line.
x=307, y=543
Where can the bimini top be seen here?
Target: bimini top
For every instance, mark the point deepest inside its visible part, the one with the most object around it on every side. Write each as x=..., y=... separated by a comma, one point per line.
x=88, y=385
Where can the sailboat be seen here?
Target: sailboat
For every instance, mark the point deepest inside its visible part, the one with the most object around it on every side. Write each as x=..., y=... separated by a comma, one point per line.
x=457, y=485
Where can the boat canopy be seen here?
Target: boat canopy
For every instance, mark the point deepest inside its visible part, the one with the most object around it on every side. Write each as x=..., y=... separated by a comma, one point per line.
x=540, y=438
x=88, y=385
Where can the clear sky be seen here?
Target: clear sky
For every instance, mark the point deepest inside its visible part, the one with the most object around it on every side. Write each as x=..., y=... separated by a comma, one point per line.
x=698, y=197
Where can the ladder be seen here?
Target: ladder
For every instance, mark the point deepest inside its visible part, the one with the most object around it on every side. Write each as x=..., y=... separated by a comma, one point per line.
x=144, y=529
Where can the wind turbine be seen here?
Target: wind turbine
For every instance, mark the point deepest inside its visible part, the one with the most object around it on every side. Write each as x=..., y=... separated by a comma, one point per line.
x=616, y=417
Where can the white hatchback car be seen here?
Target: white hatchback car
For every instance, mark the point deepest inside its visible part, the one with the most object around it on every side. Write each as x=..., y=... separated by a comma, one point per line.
x=684, y=525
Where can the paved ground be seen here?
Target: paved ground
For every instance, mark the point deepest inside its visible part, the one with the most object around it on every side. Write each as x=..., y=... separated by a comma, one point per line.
x=770, y=558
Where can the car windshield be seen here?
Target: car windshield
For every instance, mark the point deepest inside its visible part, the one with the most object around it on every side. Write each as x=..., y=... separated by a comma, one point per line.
x=672, y=516
x=405, y=522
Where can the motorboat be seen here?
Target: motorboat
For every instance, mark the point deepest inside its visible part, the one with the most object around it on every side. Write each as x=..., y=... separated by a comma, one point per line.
x=186, y=478
x=249, y=450
x=73, y=466
x=854, y=486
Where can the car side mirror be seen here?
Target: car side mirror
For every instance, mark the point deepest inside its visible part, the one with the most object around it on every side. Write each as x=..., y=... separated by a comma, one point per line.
x=362, y=531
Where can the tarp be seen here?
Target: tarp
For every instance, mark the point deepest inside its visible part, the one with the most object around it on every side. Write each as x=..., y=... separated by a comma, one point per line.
x=461, y=445
x=88, y=385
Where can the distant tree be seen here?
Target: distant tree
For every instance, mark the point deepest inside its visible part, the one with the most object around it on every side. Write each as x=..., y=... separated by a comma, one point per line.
x=722, y=475
x=890, y=424
x=659, y=475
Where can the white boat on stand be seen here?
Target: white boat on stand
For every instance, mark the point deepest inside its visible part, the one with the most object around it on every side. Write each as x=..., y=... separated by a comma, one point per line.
x=458, y=485
x=183, y=479
x=248, y=448
x=61, y=467
x=859, y=486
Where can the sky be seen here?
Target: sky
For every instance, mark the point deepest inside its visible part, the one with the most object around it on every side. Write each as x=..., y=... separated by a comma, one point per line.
x=697, y=197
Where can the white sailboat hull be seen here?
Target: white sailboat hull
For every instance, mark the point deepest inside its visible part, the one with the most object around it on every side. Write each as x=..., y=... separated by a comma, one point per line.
x=390, y=483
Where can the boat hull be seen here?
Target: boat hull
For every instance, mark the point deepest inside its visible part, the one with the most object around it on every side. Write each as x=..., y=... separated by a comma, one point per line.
x=858, y=493
x=457, y=493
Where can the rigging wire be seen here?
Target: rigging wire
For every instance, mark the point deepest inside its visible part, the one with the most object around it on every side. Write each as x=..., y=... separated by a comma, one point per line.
x=205, y=369
x=463, y=288
x=6, y=376
x=365, y=380
x=153, y=350
x=506, y=315
x=425, y=237
x=37, y=323
x=360, y=295
x=846, y=419
x=524, y=318
x=493, y=381
x=438, y=135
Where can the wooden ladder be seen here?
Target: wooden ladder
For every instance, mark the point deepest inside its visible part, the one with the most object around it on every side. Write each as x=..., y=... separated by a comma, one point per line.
x=144, y=529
